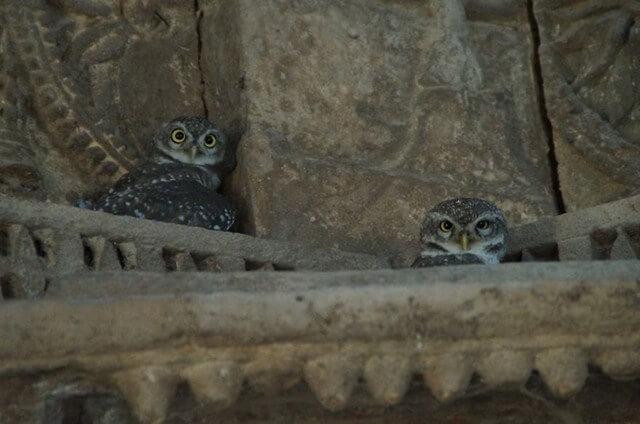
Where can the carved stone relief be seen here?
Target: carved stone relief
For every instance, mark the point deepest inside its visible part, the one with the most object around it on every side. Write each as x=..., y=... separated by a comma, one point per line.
x=362, y=114
x=97, y=77
x=591, y=73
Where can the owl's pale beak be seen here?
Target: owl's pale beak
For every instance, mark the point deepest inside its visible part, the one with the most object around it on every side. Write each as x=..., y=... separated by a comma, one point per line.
x=464, y=241
x=193, y=152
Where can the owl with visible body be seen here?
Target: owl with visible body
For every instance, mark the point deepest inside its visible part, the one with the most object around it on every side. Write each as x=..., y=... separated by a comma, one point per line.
x=463, y=231
x=179, y=181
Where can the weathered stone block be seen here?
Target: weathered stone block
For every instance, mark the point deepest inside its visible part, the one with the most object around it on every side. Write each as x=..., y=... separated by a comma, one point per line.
x=591, y=72
x=97, y=77
x=362, y=114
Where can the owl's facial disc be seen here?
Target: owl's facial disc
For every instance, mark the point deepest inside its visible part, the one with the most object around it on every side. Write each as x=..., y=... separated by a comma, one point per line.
x=190, y=142
x=484, y=237
x=211, y=147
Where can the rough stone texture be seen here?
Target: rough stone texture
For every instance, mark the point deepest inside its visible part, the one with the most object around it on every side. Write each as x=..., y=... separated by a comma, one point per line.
x=200, y=336
x=39, y=240
x=92, y=79
x=591, y=74
x=602, y=401
x=362, y=114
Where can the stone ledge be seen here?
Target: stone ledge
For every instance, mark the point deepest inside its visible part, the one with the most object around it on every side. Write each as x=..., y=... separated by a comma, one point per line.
x=331, y=329
x=59, y=239
x=608, y=231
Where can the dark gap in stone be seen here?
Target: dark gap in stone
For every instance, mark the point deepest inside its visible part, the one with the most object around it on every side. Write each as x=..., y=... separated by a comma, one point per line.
x=203, y=84
x=86, y=408
x=544, y=113
x=168, y=257
x=282, y=267
x=47, y=284
x=475, y=382
x=547, y=252
x=513, y=257
x=121, y=259
x=627, y=31
x=602, y=243
x=39, y=246
x=4, y=242
x=72, y=410
x=252, y=265
x=89, y=255
x=6, y=287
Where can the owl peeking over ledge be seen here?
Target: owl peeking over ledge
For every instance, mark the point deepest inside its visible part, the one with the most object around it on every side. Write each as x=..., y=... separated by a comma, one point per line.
x=462, y=231
x=178, y=182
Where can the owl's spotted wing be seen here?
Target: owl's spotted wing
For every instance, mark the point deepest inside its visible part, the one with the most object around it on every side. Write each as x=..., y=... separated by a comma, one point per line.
x=445, y=260
x=177, y=194
x=149, y=173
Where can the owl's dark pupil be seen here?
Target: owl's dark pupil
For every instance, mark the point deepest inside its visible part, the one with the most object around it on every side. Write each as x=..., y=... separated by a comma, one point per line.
x=482, y=225
x=179, y=135
x=446, y=225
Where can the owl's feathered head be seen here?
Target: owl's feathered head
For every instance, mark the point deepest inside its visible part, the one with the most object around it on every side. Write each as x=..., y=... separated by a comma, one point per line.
x=189, y=140
x=465, y=225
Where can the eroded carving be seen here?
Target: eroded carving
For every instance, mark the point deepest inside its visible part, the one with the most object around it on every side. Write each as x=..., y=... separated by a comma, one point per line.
x=591, y=72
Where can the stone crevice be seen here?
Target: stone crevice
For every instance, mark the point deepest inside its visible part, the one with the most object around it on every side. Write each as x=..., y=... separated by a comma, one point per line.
x=542, y=105
x=203, y=83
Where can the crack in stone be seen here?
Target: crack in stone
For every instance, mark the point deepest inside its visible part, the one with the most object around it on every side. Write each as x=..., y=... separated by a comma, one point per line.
x=544, y=113
x=203, y=83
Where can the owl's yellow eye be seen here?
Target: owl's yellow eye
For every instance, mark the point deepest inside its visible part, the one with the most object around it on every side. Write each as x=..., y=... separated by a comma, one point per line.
x=178, y=136
x=210, y=140
x=446, y=226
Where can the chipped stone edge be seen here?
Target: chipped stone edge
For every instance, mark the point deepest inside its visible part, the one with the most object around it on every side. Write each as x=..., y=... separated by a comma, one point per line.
x=333, y=328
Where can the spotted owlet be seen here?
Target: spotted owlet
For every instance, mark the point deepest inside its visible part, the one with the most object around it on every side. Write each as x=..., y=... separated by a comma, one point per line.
x=463, y=231
x=178, y=183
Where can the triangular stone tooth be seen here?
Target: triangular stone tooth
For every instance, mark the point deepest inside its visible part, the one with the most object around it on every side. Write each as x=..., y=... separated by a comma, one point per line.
x=332, y=379
x=218, y=383
x=20, y=243
x=104, y=254
x=184, y=262
x=28, y=280
x=621, y=364
x=564, y=370
x=622, y=247
x=129, y=255
x=149, y=391
x=388, y=377
x=448, y=376
x=505, y=367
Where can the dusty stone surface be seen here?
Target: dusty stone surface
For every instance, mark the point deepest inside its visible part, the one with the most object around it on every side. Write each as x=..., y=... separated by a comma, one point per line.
x=355, y=117
x=591, y=74
x=195, y=337
x=608, y=231
x=93, y=79
x=602, y=401
x=359, y=115
x=39, y=240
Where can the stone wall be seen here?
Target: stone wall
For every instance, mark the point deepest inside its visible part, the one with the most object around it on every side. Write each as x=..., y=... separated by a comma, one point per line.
x=351, y=117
